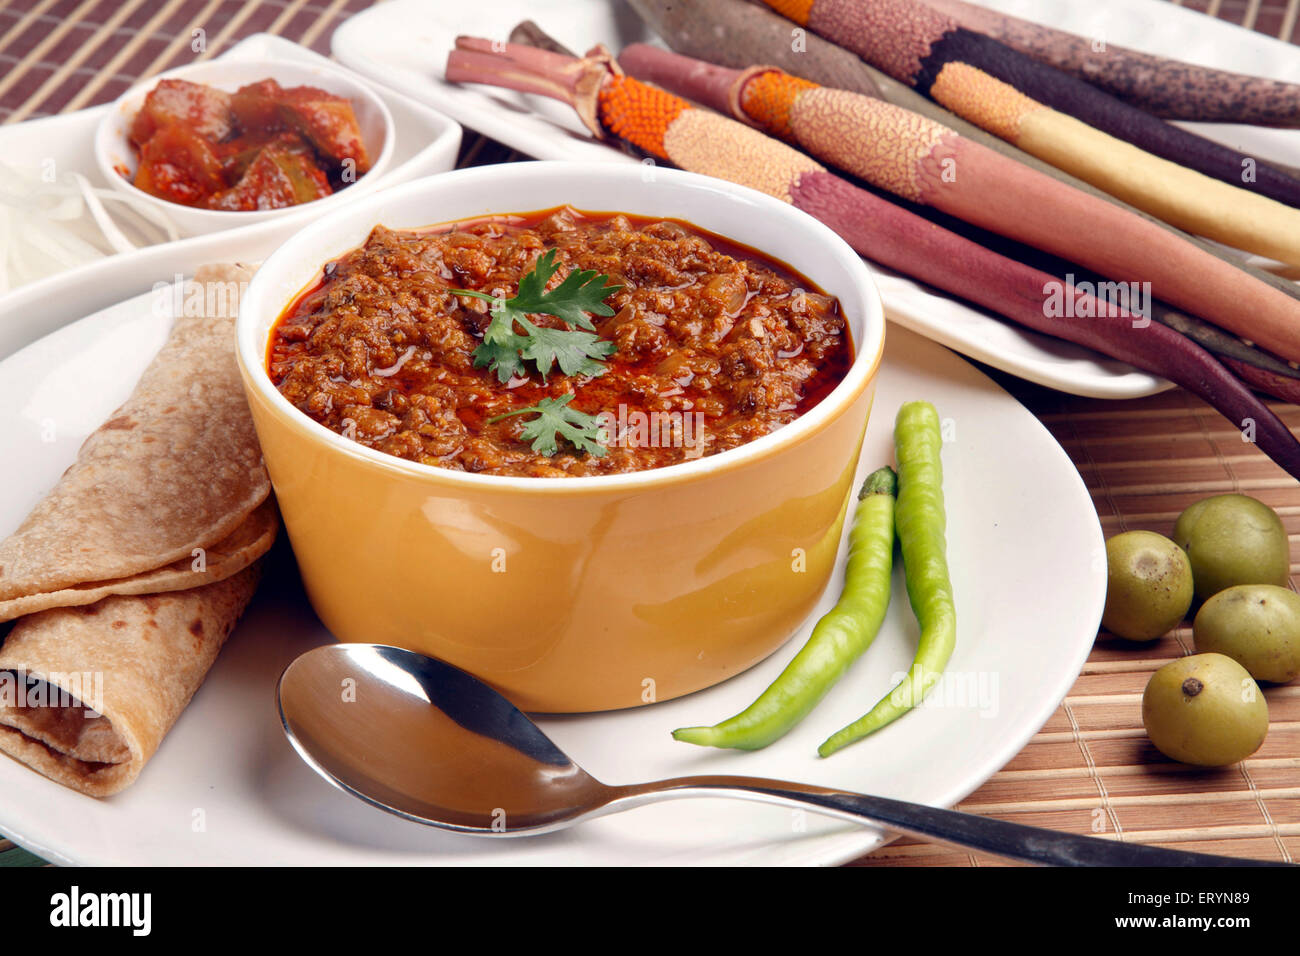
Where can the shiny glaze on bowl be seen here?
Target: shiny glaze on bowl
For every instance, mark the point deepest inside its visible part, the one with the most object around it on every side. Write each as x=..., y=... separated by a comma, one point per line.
x=571, y=594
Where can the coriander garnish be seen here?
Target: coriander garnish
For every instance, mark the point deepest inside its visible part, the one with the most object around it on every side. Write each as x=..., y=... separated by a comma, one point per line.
x=554, y=417
x=577, y=353
x=505, y=351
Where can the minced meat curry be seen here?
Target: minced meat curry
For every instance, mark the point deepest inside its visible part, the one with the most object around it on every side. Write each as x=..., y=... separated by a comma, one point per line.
x=715, y=344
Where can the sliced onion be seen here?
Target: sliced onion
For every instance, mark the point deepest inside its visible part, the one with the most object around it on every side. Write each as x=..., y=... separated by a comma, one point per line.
x=48, y=227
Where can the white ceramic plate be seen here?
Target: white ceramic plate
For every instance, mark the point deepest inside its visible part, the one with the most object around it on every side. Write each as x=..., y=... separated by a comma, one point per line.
x=404, y=43
x=426, y=143
x=226, y=788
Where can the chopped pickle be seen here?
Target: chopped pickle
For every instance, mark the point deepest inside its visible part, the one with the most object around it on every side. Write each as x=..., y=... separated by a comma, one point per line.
x=328, y=121
x=178, y=165
x=278, y=177
x=255, y=107
x=261, y=147
x=204, y=110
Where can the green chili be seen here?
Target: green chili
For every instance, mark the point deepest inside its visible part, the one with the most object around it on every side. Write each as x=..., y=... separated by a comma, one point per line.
x=921, y=526
x=838, y=639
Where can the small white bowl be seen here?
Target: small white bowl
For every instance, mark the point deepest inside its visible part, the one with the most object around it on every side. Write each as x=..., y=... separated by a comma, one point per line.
x=114, y=153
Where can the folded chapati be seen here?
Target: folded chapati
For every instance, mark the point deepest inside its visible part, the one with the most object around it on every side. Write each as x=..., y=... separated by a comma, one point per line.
x=137, y=661
x=175, y=469
x=249, y=541
x=132, y=571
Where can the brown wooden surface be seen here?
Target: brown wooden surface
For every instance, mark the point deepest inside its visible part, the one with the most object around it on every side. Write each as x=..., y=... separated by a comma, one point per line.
x=1090, y=769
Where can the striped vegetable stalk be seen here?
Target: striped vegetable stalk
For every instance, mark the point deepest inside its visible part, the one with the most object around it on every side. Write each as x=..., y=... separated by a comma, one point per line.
x=927, y=163
x=612, y=105
x=1182, y=178
x=1168, y=88
x=740, y=33
x=1224, y=344
x=1279, y=386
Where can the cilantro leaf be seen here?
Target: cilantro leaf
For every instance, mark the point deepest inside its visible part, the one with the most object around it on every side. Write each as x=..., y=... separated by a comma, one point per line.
x=501, y=344
x=581, y=291
x=501, y=357
x=578, y=353
x=554, y=417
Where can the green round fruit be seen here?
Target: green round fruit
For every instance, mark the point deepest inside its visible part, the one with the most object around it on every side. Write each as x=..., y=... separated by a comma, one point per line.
x=1204, y=710
x=1257, y=625
x=1148, y=585
x=1231, y=540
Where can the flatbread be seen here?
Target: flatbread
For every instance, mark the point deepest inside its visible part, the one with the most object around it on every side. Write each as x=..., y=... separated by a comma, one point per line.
x=252, y=539
x=129, y=575
x=177, y=467
x=143, y=656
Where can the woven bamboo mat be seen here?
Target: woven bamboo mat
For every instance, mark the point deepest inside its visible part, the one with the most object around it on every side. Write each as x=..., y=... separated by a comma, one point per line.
x=1090, y=769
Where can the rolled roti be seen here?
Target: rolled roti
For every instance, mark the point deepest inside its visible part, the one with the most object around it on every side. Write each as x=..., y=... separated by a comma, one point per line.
x=136, y=566
x=87, y=693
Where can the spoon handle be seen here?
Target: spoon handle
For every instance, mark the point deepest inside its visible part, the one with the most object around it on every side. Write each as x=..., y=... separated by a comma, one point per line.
x=1013, y=840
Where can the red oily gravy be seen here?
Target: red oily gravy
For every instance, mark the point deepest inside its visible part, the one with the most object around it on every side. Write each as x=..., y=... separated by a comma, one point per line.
x=716, y=343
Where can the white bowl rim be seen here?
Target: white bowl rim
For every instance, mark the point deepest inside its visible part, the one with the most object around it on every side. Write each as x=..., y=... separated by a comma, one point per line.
x=238, y=217
x=251, y=348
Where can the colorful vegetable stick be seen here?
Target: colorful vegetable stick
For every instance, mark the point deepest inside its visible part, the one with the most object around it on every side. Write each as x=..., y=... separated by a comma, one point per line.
x=1021, y=99
x=1279, y=386
x=924, y=162
x=1181, y=196
x=666, y=126
x=740, y=33
x=1168, y=88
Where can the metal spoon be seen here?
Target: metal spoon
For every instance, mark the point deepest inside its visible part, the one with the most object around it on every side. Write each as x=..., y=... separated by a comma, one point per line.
x=422, y=739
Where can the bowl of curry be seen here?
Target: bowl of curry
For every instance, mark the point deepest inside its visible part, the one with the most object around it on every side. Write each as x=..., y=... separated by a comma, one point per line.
x=588, y=431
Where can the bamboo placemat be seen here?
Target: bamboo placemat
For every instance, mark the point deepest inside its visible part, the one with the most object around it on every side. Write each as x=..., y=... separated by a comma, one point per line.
x=1090, y=769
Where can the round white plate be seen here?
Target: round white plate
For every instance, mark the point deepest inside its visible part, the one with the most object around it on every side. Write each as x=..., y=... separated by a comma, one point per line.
x=226, y=787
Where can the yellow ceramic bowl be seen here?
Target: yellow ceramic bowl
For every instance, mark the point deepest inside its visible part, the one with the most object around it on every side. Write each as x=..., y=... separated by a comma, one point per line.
x=570, y=594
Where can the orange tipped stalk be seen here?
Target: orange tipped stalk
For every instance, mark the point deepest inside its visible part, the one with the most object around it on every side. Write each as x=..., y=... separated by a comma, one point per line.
x=711, y=144
x=639, y=114
x=914, y=157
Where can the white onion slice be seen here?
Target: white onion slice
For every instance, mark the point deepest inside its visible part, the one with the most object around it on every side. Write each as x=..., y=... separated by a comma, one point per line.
x=48, y=227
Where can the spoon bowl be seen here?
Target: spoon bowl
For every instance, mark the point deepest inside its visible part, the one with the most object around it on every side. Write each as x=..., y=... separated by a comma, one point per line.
x=429, y=742
x=425, y=740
